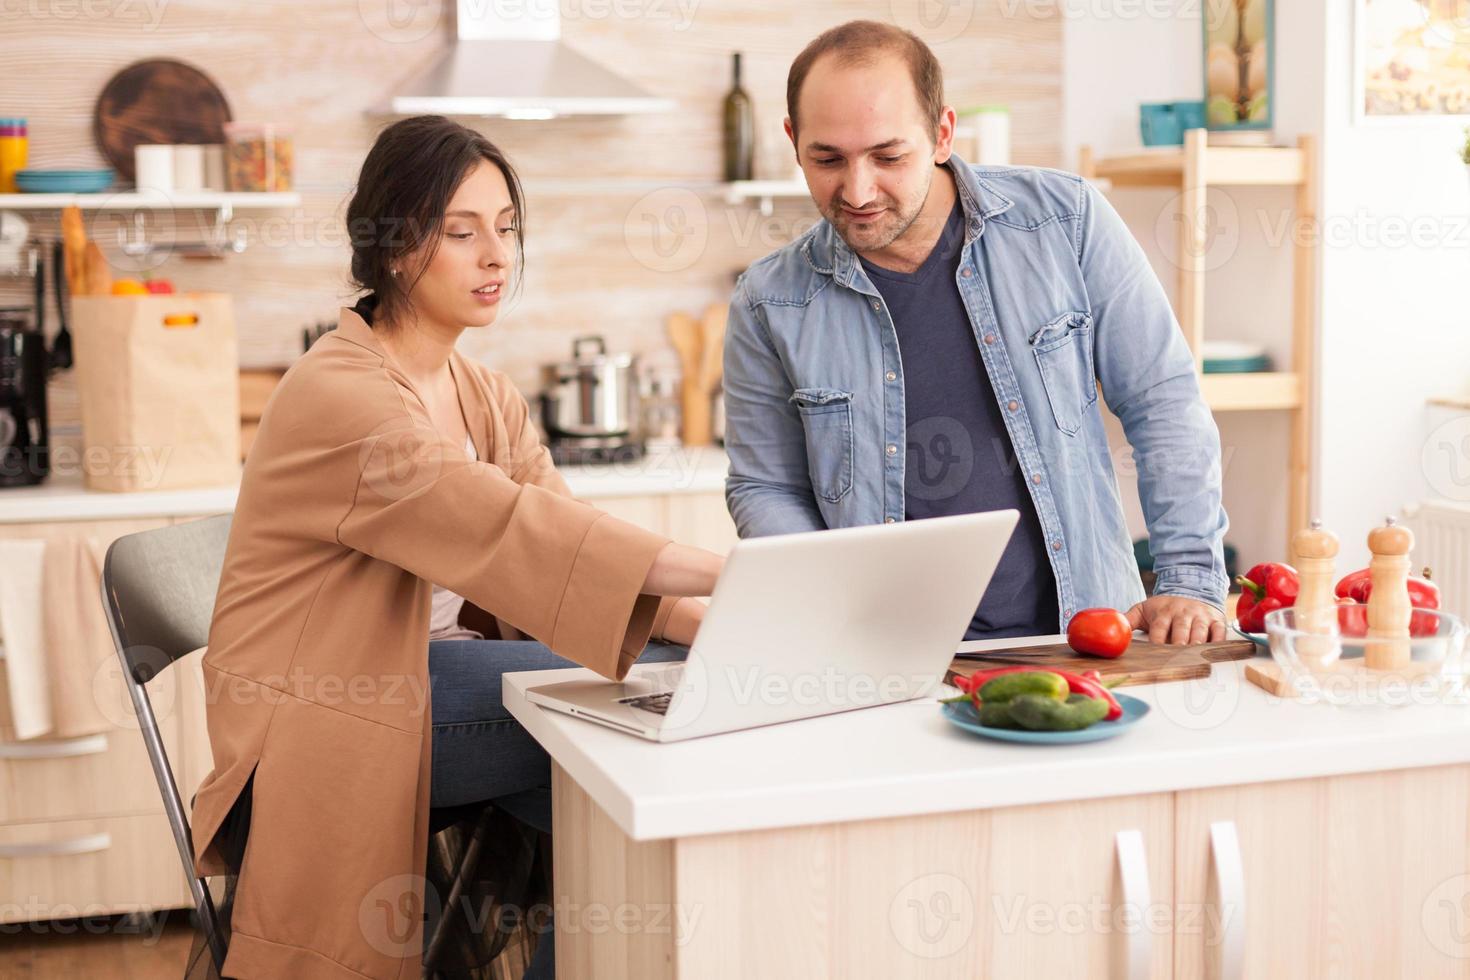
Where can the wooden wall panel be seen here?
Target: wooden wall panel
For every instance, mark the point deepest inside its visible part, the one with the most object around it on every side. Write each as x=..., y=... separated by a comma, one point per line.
x=600, y=190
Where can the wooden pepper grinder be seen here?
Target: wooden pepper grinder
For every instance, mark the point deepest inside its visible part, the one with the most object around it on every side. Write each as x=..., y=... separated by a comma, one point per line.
x=1314, y=553
x=1387, y=646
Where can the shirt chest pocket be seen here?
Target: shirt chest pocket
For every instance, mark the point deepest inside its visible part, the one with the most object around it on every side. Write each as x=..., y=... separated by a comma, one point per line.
x=826, y=416
x=1063, y=351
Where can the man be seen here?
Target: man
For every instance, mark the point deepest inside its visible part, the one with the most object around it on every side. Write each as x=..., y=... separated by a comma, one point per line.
x=935, y=345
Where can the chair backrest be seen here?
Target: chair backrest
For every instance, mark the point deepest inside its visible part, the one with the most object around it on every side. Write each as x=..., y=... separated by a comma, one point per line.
x=159, y=588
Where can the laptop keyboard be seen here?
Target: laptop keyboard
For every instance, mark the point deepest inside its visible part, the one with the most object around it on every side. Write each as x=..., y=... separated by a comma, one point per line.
x=657, y=703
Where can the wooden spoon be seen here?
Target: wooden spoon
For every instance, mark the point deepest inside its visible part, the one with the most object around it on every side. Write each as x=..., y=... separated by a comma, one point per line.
x=685, y=333
x=713, y=325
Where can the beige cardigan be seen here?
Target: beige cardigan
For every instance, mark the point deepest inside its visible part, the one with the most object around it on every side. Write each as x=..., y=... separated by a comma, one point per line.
x=351, y=505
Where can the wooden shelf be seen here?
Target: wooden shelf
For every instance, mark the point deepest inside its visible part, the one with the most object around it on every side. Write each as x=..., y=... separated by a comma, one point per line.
x=136, y=201
x=1234, y=166
x=1251, y=392
x=1459, y=402
x=1190, y=170
x=766, y=192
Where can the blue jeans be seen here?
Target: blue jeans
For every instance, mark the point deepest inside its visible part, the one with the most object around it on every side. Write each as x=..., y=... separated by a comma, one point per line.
x=482, y=753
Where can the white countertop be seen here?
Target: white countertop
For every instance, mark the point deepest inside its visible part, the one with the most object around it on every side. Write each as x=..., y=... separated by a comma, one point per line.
x=904, y=759
x=63, y=498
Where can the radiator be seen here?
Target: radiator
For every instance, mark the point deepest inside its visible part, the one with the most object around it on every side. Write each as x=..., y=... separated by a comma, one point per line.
x=1442, y=544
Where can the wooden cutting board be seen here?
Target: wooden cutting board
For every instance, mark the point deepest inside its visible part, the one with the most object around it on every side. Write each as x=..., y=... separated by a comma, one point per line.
x=159, y=100
x=1143, y=663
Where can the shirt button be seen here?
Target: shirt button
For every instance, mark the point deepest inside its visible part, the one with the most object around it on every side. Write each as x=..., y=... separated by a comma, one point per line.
x=891, y=376
x=964, y=273
x=887, y=520
x=893, y=450
x=1036, y=478
x=877, y=305
x=990, y=338
x=1013, y=404
x=1056, y=546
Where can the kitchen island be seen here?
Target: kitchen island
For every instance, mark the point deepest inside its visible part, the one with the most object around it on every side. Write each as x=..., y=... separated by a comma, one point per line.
x=1229, y=834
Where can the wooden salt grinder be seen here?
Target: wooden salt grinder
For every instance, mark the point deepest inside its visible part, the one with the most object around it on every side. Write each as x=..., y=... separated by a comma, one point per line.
x=1387, y=646
x=1314, y=553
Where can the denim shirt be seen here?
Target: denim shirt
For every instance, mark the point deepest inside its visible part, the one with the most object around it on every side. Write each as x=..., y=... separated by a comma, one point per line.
x=1061, y=300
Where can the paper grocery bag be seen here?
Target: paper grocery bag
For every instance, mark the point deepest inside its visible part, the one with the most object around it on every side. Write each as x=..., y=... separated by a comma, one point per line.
x=158, y=383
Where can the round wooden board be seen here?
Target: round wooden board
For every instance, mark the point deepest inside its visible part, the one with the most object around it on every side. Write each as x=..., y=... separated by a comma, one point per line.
x=157, y=101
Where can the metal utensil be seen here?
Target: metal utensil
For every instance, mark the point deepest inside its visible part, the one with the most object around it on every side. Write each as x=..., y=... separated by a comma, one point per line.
x=60, y=358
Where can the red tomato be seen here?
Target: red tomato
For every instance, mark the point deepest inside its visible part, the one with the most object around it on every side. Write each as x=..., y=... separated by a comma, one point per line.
x=159, y=287
x=1099, y=632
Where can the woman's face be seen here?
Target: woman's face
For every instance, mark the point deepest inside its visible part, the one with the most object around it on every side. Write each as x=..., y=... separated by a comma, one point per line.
x=468, y=275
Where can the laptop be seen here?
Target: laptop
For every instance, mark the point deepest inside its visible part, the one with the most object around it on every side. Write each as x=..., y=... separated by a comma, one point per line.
x=810, y=624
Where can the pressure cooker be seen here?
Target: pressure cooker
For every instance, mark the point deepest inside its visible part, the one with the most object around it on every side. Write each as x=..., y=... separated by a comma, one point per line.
x=593, y=394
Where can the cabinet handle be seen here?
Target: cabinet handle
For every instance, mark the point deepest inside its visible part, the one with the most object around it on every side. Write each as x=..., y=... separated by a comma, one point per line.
x=1138, y=945
x=62, y=749
x=1229, y=897
x=58, y=848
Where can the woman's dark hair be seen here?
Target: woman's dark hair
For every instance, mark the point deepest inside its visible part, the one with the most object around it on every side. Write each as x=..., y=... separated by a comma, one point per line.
x=404, y=187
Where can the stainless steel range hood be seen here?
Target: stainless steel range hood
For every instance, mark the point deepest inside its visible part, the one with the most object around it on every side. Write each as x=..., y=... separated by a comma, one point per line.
x=509, y=61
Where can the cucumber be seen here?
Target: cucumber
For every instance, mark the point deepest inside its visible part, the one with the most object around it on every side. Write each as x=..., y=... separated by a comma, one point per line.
x=1044, y=714
x=1008, y=686
x=994, y=714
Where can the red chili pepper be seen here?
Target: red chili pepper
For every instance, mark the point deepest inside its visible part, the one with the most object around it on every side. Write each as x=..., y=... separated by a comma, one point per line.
x=1267, y=586
x=1079, y=684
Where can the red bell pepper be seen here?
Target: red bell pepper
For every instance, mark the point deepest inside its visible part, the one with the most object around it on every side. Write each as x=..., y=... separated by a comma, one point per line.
x=1423, y=594
x=1267, y=586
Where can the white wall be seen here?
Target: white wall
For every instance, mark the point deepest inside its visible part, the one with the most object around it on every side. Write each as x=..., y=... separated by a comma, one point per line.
x=1117, y=56
x=1394, y=311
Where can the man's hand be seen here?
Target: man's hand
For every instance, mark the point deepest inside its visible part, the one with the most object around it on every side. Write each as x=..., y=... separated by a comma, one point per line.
x=1178, y=619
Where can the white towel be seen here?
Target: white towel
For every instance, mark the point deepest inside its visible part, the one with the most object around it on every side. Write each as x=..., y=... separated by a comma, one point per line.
x=21, y=617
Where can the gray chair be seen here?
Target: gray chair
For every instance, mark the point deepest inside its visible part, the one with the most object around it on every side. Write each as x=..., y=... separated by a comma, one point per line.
x=158, y=590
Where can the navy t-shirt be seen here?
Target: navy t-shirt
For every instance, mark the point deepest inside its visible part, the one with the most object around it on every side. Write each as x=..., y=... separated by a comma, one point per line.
x=959, y=455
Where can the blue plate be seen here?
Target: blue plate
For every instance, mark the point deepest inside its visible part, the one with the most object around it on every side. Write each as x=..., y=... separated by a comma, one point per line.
x=962, y=714
x=1259, y=639
x=63, y=181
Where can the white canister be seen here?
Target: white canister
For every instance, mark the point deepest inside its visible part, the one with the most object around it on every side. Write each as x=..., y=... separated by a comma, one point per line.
x=153, y=164
x=991, y=125
x=188, y=167
x=214, y=167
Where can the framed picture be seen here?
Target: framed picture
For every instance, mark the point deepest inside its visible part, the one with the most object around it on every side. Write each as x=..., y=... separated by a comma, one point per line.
x=1412, y=61
x=1240, y=49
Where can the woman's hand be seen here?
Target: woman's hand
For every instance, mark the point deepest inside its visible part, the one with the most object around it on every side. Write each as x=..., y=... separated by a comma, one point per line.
x=684, y=621
x=682, y=570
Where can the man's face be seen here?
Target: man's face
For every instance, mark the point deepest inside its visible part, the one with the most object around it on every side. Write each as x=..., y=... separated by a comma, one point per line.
x=864, y=146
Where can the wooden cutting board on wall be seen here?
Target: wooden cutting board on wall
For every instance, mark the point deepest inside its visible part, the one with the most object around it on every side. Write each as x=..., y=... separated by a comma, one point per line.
x=1143, y=663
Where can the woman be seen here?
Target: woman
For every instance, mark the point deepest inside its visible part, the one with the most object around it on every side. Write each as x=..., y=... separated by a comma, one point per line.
x=396, y=490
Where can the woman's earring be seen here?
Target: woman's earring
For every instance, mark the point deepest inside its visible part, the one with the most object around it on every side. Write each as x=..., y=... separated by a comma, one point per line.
x=395, y=272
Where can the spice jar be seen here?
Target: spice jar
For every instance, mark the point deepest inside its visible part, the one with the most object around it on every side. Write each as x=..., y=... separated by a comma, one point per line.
x=258, y=157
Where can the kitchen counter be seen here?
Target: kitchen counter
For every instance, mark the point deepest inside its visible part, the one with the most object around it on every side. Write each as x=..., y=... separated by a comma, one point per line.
x=63, y=498
x=905, y=759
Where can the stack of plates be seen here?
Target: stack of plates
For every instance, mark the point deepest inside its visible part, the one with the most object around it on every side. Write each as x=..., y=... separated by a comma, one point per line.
x=63, y=181
x=1233, y=357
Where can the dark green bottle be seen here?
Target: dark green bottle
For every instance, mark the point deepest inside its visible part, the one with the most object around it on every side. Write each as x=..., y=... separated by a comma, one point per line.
x=739, y=130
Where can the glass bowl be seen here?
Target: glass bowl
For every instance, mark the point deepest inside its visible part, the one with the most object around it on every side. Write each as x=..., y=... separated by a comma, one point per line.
x=1341, y=665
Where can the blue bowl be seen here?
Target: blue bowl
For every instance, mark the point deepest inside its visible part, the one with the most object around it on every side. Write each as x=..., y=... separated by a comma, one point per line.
x=962, y=714
x=1164, y=123
x=63, y=181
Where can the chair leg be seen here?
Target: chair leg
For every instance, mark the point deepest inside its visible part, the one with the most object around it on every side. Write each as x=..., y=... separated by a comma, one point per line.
x=467, y=870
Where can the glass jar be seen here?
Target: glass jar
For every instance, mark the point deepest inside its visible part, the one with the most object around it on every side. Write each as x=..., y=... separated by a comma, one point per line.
x=258, y=157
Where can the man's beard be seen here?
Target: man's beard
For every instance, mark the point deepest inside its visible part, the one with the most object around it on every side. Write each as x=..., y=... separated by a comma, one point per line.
x=880, y=234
